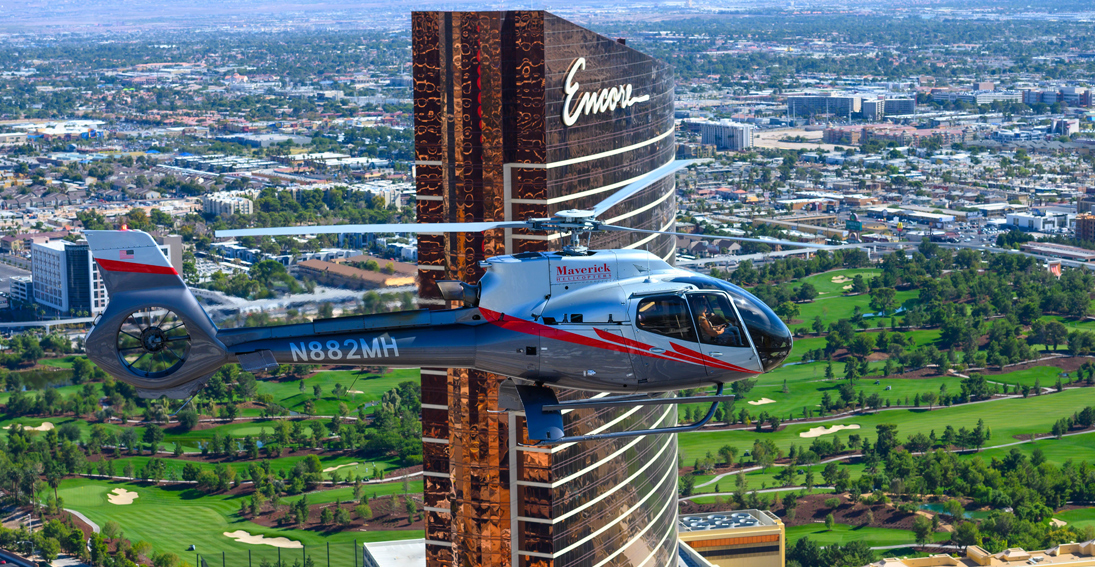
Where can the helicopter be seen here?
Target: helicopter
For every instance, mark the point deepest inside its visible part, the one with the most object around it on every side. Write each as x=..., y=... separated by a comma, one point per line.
x=622, y=322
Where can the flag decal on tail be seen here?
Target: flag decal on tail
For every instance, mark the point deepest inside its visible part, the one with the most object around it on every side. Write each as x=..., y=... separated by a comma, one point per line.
x=126, y=254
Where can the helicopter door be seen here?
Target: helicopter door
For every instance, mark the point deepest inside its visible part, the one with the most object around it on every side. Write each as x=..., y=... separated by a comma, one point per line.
x=660, y=322
x=721, y=333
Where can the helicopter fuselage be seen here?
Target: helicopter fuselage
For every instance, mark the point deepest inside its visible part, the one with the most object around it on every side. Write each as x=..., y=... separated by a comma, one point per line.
x=609, y=321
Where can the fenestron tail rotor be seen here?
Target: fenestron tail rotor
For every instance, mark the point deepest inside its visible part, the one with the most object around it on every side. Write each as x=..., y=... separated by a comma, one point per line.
x=153, y=342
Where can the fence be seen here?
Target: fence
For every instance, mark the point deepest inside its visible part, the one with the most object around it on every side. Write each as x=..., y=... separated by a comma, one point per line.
x=338, y=554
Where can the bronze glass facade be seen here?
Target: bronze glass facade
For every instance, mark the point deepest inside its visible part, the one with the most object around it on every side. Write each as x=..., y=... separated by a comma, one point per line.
x=495, y=140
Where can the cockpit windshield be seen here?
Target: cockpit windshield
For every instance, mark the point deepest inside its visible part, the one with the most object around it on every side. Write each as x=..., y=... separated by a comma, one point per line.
x=716, y=320
x=771, y=337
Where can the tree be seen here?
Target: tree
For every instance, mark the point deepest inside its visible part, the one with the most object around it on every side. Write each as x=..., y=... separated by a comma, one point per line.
x=966, y=534
x=787, y=311
x=153, y=435
x=882, y=299
x=728, y=453
x=922, y=529
x=364, y=512
x=412, y=510
x=1055, y=332
x=188, y=419
x=830, y=521
x=111, y=530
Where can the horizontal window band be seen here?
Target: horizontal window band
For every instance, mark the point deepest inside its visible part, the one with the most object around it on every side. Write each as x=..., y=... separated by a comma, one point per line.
x=434, y=406
x=432, y=440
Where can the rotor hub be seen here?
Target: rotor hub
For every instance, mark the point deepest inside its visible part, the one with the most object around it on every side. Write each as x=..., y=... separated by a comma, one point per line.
x=153, y=339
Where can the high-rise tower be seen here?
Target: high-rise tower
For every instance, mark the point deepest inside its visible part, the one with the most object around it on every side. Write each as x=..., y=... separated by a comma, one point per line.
x=521, y=115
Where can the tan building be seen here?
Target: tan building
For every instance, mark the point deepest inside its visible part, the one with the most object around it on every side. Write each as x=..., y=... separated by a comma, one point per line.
x=338, y=275
x=742, y=538
x=1071, y=554
x=1085, y=227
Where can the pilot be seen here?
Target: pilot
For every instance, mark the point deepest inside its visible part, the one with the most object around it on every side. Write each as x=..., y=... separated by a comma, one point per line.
x=707, y=325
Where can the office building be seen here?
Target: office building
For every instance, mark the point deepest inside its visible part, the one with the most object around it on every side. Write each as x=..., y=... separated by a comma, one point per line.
x=726, y=135
x=1071, y=554
x=65, y=278
x=214, y=204
x=496, y=138
x=977, y=97
x=741, y=538
x=22, y=290
x=900, y=106
x=837, y=105
x=874, y=109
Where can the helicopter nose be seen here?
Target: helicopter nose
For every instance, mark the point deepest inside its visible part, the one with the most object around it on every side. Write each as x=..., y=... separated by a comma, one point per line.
x=771, y=337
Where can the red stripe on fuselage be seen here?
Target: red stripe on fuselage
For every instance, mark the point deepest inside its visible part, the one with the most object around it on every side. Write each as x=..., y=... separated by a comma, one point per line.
x=685, y=354
x=132, y=267
x=618, y=344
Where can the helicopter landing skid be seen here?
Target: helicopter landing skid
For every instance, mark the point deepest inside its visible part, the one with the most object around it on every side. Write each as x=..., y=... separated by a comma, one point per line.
x=544, y=412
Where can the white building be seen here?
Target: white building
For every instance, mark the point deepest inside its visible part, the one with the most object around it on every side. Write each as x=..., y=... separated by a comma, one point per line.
x=226, y=205
x=64, y=277
x=727, y=135
x=22, y=289
x=1038, y=223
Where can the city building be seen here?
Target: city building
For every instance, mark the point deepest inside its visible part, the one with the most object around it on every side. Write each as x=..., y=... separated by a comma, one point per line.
x=838, y=105
x=214, y=204
x=1038, y=222
x=501, y=133
x=1071, y=554
x=727, y=135
x=1058, y=251
x=343, y=276
x=65, y=278
x=874, y=109
x=22, y=289
x=741, y=538
x=1085, y=226
x=403, y=553
x=977, y=97
x=900, y=106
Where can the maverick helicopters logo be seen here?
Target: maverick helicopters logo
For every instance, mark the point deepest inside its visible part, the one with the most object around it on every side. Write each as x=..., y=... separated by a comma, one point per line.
x=571, y=274
x=596, y=102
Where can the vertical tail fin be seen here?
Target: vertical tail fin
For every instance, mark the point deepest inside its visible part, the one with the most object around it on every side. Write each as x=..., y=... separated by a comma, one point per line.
x=153, y=334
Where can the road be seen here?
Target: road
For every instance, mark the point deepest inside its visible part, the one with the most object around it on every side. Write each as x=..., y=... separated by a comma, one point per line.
x=13, y=559
x=6, y=272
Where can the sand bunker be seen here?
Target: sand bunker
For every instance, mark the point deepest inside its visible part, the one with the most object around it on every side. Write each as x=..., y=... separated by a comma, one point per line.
x=121, y=496
x=245, y=537
x=44, y=427
x=332, y=469
x=819, y=431
x=840, y=279
x=846, y=287
x=354, y=392
x=1058, y=523
x=761, y=402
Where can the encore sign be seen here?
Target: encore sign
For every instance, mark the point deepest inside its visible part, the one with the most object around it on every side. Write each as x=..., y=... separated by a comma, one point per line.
x=596, y=102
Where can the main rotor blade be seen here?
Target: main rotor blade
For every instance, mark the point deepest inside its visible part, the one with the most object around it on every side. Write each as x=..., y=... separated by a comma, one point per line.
x=419, y=228
x=715, y=237
x=641, y=183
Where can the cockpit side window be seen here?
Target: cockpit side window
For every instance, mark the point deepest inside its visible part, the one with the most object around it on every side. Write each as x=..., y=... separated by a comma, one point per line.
x=668, y=316
x=716, y=320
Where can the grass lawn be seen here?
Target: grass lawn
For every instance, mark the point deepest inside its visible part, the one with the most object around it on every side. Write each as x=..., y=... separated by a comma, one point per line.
x=371, y=385
x=364, y=468
x=195, y=519
x=1078, y=518
x=844, y=533
x=1039, y=414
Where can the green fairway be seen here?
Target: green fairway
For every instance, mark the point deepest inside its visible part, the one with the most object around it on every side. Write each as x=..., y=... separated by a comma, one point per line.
x=1039, y=414
x=1078, y=518
x=825, y=285
x=371, y=386
x=844, y=533
x=364, y=468
x=173, y=518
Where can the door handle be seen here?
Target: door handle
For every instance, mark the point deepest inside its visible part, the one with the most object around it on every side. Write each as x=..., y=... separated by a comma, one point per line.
x=716, y=354
x=657, y=350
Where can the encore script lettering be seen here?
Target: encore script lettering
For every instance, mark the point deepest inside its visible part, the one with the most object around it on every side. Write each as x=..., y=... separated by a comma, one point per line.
x=604, y=100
